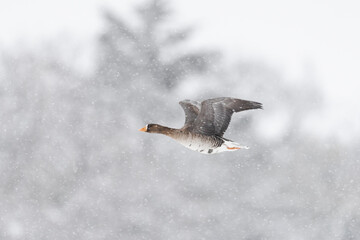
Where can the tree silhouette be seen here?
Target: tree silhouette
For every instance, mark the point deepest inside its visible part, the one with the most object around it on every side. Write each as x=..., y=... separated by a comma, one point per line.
x=128, y=53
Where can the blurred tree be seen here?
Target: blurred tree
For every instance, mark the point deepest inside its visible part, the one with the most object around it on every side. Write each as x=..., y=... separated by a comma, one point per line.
x=127, y=52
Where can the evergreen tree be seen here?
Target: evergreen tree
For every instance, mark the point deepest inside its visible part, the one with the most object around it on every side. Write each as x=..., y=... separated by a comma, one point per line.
x=129, y=53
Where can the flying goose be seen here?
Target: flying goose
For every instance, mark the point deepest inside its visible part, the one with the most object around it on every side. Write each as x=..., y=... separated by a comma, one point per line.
x=205, y=124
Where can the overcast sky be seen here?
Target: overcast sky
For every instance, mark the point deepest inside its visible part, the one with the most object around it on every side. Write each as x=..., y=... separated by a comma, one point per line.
x=289, y=35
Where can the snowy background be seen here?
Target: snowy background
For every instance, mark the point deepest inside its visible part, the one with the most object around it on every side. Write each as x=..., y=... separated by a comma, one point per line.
x=78, y=79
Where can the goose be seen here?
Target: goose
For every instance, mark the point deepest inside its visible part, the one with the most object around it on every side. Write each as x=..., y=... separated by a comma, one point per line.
x=205, y=124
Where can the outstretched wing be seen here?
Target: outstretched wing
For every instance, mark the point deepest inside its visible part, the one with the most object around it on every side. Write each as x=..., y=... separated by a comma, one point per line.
x=215, y=114
x=191, y=109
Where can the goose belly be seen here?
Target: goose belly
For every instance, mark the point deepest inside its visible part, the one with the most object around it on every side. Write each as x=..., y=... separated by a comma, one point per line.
x=205, y=147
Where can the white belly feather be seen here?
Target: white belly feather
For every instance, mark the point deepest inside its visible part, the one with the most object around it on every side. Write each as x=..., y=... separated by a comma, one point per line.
x=207, y=147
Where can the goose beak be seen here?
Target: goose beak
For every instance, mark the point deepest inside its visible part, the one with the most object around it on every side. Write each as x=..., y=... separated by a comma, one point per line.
x=143, y=129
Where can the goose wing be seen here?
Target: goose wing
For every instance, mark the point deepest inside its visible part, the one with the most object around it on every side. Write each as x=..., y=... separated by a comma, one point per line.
x=215, y=114
x=191, y=109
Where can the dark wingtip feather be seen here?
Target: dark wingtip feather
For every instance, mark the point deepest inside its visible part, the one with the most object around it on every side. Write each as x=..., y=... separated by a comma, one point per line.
x=257, y=105
x=254, y=105
x=238, y=105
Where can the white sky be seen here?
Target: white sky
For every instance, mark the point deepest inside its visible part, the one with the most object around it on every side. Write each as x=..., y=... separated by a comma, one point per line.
x=289, y=35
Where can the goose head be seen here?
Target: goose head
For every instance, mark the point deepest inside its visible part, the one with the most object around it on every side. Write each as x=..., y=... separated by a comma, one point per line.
x=153, y=128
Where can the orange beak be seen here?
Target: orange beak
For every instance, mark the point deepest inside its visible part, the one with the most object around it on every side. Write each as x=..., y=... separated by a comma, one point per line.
x=143, y=129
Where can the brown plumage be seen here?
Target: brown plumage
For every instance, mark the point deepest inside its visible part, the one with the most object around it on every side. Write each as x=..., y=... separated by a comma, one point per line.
x=205, y=124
